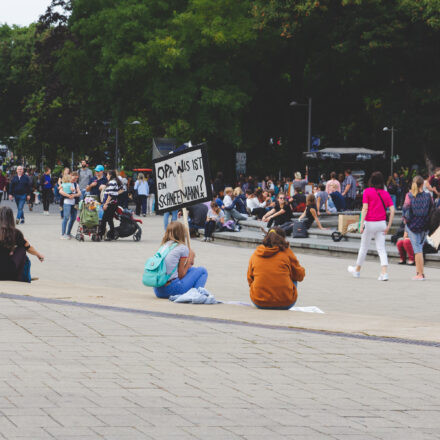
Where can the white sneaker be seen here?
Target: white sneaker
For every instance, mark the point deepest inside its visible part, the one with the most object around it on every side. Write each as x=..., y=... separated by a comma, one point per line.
x=352, y=270
x=383, y=277
x=46, y=212
x=64, y=237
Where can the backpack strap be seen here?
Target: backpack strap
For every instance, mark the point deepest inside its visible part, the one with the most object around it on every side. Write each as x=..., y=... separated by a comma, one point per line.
x=383, y=203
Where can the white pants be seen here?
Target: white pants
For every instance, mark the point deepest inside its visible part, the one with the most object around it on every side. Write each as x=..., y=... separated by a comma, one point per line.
x=376, y=230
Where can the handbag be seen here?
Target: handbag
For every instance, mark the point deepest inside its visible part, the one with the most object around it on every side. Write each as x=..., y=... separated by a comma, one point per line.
x=299, y=230
x=387, y=216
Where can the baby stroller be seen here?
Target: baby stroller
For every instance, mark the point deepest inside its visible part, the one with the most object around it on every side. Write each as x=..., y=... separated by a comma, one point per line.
x=128, y=225
x=88, y=219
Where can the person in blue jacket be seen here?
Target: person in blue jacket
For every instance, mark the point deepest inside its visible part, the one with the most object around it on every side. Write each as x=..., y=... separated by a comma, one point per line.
x=20, y=189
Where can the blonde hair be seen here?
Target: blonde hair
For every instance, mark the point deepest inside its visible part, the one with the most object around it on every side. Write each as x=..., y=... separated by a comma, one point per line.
x=416, y=186
x=141, y=176
x=66, y=178
x=229, y=190
x=74, y=174
x=237, y=191
x=175, y=232
x=298, y=175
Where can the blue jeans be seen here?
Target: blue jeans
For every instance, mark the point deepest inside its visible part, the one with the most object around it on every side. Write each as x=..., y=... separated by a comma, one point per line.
x=166, y=218
x=20, y=200
x=278, y=308
x=195, y=277
x=394, y=199
x=69, y=212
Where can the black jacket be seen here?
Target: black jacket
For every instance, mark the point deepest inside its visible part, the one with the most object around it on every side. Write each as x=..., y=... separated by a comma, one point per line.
x=20, y=186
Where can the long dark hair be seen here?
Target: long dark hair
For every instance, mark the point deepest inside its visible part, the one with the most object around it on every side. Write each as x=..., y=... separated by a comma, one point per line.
x=114, y=176
x=276, y=237
x=376, y=180
x=7, y=228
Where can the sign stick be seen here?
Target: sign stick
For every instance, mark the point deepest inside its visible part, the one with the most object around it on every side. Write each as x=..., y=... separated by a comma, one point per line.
x=185, y=214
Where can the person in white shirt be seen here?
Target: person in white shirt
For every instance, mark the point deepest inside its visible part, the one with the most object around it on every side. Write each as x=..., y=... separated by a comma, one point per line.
x=228, y=202
x=142, y=190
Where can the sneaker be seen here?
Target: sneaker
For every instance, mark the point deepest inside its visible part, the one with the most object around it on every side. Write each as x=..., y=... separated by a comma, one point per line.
x=17, y=221
x=383, y=277
x=64, y=237
x=46, y=212
x=419, y=278
x=205, y=239
x=22, y=221
x=352, y=270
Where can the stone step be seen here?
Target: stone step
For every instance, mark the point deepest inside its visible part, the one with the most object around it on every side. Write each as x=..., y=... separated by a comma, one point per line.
x=318, y=243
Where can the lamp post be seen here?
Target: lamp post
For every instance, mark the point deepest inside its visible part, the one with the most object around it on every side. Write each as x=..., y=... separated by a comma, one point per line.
x=309, y=136
x=392, y=129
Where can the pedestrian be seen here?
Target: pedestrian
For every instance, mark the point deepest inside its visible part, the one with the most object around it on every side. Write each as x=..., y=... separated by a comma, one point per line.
x=3, y=184
x=373, y=224
x=274, y=272
x=214, y=217
x=111, y=192
x=85, y=175
x=47, y=189
x=13, y=248
x=20, y=189
x=64, y=178
x=349, y=190
x=123, y=196
x=97, y=183
x=416, y=212
x=151, y=197
x=71, y=192
x=142, y=189
x=180, y=264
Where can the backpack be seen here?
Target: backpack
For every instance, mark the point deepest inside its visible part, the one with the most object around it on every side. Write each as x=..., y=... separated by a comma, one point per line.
x=418, y=213
x=155, y=271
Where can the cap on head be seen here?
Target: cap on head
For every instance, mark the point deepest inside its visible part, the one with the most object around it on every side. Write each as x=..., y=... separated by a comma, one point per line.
x=99, y=168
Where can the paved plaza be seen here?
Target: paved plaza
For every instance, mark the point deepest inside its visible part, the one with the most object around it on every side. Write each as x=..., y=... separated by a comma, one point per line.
x=71, y=367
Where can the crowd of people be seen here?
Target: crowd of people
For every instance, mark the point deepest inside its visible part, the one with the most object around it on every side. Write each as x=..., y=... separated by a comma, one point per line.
x=274, y=270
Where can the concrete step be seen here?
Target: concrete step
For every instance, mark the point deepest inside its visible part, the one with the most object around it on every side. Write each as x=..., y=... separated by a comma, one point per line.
x=319, y=242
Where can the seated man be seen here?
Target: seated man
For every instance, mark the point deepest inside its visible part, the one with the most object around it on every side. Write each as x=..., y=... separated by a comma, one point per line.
x=197, y=218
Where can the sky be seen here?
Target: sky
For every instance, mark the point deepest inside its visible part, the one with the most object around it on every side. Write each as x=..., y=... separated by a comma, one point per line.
x=22, y=12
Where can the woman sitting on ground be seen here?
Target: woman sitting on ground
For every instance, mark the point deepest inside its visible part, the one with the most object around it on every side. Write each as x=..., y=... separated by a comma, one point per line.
x=280, y=214
x=214, y=217
x=310, y=215
x=179, y=263
x=274, y=272
x=13, y=248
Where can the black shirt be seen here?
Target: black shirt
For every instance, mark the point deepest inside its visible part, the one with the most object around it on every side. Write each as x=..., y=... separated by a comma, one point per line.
x=8, y=268
x=309, y=219
x=198, y=213
x=282, y=218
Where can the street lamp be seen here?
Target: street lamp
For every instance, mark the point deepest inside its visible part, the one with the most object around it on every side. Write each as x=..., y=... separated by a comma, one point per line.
x=309, y=105
x=393, y=130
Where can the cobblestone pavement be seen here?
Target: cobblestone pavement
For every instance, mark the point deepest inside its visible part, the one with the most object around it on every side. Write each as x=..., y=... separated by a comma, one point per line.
x=78, y=373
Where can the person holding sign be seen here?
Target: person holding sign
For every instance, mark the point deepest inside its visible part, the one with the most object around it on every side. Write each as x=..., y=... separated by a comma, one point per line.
x=179, y=263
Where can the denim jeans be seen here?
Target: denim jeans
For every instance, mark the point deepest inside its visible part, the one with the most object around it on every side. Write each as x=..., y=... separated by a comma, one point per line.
x=195, y=277
x=233, y=214
x=20, y=200
x=166, y=218
x=69, y=213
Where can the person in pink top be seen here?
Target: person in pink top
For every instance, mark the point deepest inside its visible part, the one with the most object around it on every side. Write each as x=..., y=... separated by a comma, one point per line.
x=333, y=184
x=373, y=224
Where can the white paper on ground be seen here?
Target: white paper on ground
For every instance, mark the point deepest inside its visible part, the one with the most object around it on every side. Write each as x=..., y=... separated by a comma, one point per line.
x=310, y=309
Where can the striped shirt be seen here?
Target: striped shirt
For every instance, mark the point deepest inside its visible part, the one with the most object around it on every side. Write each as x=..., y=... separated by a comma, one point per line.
x=111, y=190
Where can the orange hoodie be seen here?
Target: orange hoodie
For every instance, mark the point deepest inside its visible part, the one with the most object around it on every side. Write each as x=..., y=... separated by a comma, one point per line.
x=271, y=274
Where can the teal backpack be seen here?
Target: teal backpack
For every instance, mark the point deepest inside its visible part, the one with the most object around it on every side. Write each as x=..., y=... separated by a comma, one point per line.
x=155, y=271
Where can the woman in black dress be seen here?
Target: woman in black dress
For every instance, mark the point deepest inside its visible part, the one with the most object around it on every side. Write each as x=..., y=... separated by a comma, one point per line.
x=13, y=248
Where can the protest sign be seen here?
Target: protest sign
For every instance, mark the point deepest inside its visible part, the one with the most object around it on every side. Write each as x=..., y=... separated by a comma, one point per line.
x=182, y=179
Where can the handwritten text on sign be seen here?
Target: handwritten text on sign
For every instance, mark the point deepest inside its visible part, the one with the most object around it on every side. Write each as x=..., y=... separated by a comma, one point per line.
x=181, y=180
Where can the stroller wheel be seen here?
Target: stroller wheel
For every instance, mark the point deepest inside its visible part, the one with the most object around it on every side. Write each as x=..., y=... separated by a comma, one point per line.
x=137, y=236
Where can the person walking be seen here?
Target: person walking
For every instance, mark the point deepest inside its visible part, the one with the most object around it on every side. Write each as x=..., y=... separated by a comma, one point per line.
x=110, y=198
x=416, y=212
x=20, y=189
x=71, y=192
x=373, y=224
x=47, y=189
x=85, y=175
x=142, y=189
x=349, y=190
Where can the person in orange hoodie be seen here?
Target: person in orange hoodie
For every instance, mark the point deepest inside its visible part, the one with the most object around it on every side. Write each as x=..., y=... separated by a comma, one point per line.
x=273, y=273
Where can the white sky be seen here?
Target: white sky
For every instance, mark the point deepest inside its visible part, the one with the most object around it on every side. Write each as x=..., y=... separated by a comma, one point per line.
x=22, y=12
